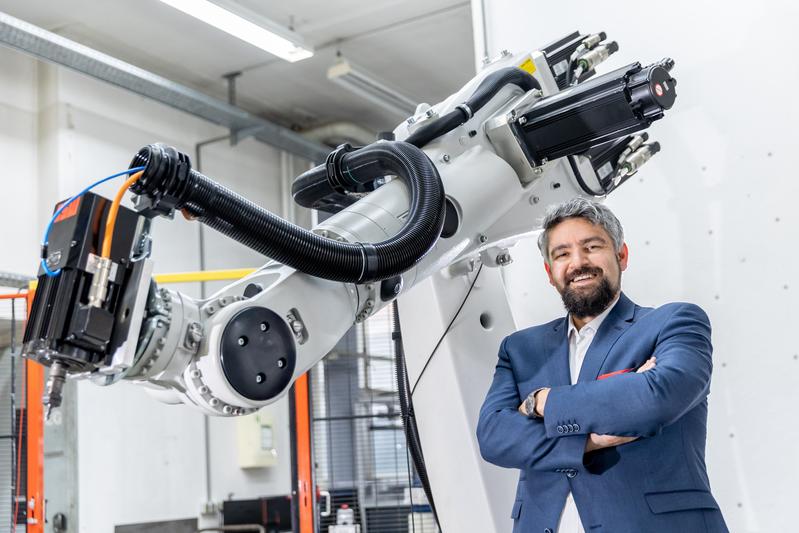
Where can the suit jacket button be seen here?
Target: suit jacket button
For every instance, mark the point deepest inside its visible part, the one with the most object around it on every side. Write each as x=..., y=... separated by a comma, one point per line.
x=576, y=427
x=547, y=530
x=571, y=428
x=571, y=473
x=560, y=429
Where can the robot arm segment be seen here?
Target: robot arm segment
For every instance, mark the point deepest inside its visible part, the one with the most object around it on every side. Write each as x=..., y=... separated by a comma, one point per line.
x=494, y=155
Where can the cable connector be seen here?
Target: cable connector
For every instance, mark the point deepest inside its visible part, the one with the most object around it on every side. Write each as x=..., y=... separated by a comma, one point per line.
x=635, y=161
x=99, y=288
x=592, y=58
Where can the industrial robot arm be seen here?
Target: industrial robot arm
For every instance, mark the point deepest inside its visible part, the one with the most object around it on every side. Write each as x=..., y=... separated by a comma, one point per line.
x=463, y=180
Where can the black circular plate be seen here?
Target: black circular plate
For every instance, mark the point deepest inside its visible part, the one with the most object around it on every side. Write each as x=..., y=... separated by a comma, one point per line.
x=258, y=353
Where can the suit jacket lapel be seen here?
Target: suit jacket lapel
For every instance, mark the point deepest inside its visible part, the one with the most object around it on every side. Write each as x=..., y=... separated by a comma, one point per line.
x=559, y=348
x=618, y=320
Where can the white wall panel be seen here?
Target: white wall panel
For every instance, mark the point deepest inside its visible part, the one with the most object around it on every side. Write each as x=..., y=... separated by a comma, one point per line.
x=711, y=219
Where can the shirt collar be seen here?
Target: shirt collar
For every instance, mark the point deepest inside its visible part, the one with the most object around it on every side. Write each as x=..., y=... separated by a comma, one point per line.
x=596, y=322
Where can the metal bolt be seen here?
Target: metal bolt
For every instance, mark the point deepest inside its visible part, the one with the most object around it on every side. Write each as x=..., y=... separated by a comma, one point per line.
x=242, y=341
x=522, y=121
x=504, y=259
x=204, y=390
x=214, y=402
x=281, y=363
x=410, y=121
x=227, y=409
x=445, y=158
x=429, y=113
x=259, y=378
x=195, y=373
x=264, y=326
x=538, y=170
x=483, y=238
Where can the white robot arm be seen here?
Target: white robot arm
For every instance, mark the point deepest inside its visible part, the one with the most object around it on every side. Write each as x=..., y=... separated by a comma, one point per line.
x=465, y=179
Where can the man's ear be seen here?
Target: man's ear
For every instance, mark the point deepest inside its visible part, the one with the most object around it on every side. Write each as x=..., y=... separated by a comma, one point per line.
x=549, y=273
x=624, y=256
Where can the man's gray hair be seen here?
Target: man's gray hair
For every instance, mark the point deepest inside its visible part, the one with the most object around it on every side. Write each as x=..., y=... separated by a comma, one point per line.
x=579, y=207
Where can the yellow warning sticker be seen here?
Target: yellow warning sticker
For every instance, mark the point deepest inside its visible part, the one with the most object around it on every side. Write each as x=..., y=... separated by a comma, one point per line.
x=528, y=65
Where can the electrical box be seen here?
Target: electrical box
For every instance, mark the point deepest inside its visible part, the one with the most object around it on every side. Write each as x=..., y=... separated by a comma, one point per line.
x=256, y=440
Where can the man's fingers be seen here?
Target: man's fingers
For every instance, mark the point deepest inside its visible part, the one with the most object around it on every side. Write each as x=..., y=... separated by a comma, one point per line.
x=649, y=364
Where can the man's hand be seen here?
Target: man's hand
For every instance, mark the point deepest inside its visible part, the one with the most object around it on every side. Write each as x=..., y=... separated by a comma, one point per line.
x=597, y=442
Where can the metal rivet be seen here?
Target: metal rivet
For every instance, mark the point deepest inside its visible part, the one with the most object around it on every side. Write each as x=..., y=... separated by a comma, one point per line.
x=483, y=238
x=260, y=377
x=264, y=326
x=242, y=341
x=534, y=200
x=281, y=362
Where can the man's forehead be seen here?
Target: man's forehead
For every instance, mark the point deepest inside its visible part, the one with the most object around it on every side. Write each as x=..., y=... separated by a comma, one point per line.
x=576, y=230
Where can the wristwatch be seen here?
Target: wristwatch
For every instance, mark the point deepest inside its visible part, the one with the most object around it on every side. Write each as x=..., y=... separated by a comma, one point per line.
x=529, y=404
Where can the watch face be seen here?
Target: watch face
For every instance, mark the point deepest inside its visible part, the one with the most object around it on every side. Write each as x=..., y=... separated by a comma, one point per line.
x=529, y=406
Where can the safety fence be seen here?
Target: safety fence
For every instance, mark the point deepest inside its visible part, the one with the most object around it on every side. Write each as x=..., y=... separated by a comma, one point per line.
x=360, y=453
x=13, y=434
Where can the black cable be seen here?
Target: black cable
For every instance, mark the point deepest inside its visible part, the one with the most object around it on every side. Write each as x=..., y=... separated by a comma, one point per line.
x=411, y=430
x=443, y=335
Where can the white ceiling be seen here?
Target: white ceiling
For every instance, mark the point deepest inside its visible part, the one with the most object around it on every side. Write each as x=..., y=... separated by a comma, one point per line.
x=423, y=48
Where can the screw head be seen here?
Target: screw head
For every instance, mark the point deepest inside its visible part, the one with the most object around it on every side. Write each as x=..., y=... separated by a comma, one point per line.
x=522, y=121
x=483, y=238
x=264, y=326
x=242, y=341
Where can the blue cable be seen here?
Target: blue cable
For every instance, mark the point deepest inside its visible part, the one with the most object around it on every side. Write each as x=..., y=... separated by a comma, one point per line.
x=63, y=206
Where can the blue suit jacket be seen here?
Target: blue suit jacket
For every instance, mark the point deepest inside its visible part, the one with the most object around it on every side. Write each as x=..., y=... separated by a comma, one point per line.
x=656, y=484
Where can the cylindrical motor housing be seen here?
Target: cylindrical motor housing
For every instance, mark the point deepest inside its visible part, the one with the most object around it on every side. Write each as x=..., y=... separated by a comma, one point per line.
x=601, y=109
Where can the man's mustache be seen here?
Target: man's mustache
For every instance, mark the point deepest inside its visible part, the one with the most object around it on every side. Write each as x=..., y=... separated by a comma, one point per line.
x=582, y=271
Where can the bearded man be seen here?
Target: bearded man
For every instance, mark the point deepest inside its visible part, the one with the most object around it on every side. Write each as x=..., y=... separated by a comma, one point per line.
x=604, y=411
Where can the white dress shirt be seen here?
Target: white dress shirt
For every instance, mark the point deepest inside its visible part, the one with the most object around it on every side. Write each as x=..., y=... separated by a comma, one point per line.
x=579, y=342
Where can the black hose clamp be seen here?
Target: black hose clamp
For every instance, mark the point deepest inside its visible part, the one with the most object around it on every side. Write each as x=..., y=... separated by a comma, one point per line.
x=335, y=176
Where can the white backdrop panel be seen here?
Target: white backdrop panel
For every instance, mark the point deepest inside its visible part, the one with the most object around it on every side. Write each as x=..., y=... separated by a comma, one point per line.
x=711, y=219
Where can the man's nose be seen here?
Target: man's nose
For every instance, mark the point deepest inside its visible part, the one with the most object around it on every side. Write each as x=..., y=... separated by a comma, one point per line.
x=580, y=259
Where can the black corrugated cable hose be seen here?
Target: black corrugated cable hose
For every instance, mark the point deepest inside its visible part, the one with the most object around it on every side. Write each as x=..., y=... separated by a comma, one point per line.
x=406, y=410
x=313, y=190
x=487, y=89
x=168, y=179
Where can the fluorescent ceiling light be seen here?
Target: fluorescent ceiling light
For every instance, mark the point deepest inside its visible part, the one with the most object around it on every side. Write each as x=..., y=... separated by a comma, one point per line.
x=246, y=25
x=367, y=86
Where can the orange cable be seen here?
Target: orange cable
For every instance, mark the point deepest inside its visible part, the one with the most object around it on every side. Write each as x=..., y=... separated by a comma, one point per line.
x=112, y=214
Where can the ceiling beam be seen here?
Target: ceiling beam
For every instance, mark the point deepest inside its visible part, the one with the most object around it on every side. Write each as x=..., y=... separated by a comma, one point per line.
x=48, y=46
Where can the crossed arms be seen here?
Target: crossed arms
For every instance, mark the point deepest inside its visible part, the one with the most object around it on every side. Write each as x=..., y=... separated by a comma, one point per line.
x=629, y=405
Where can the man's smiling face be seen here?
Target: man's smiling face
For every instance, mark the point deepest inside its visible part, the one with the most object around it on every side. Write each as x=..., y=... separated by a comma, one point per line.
x=584, y=266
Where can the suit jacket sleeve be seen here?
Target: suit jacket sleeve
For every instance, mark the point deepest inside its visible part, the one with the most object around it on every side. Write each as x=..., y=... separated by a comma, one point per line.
x=509, y=439
x=641, y=404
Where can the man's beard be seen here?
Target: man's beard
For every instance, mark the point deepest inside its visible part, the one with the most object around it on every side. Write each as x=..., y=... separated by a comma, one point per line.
x=583, y=303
